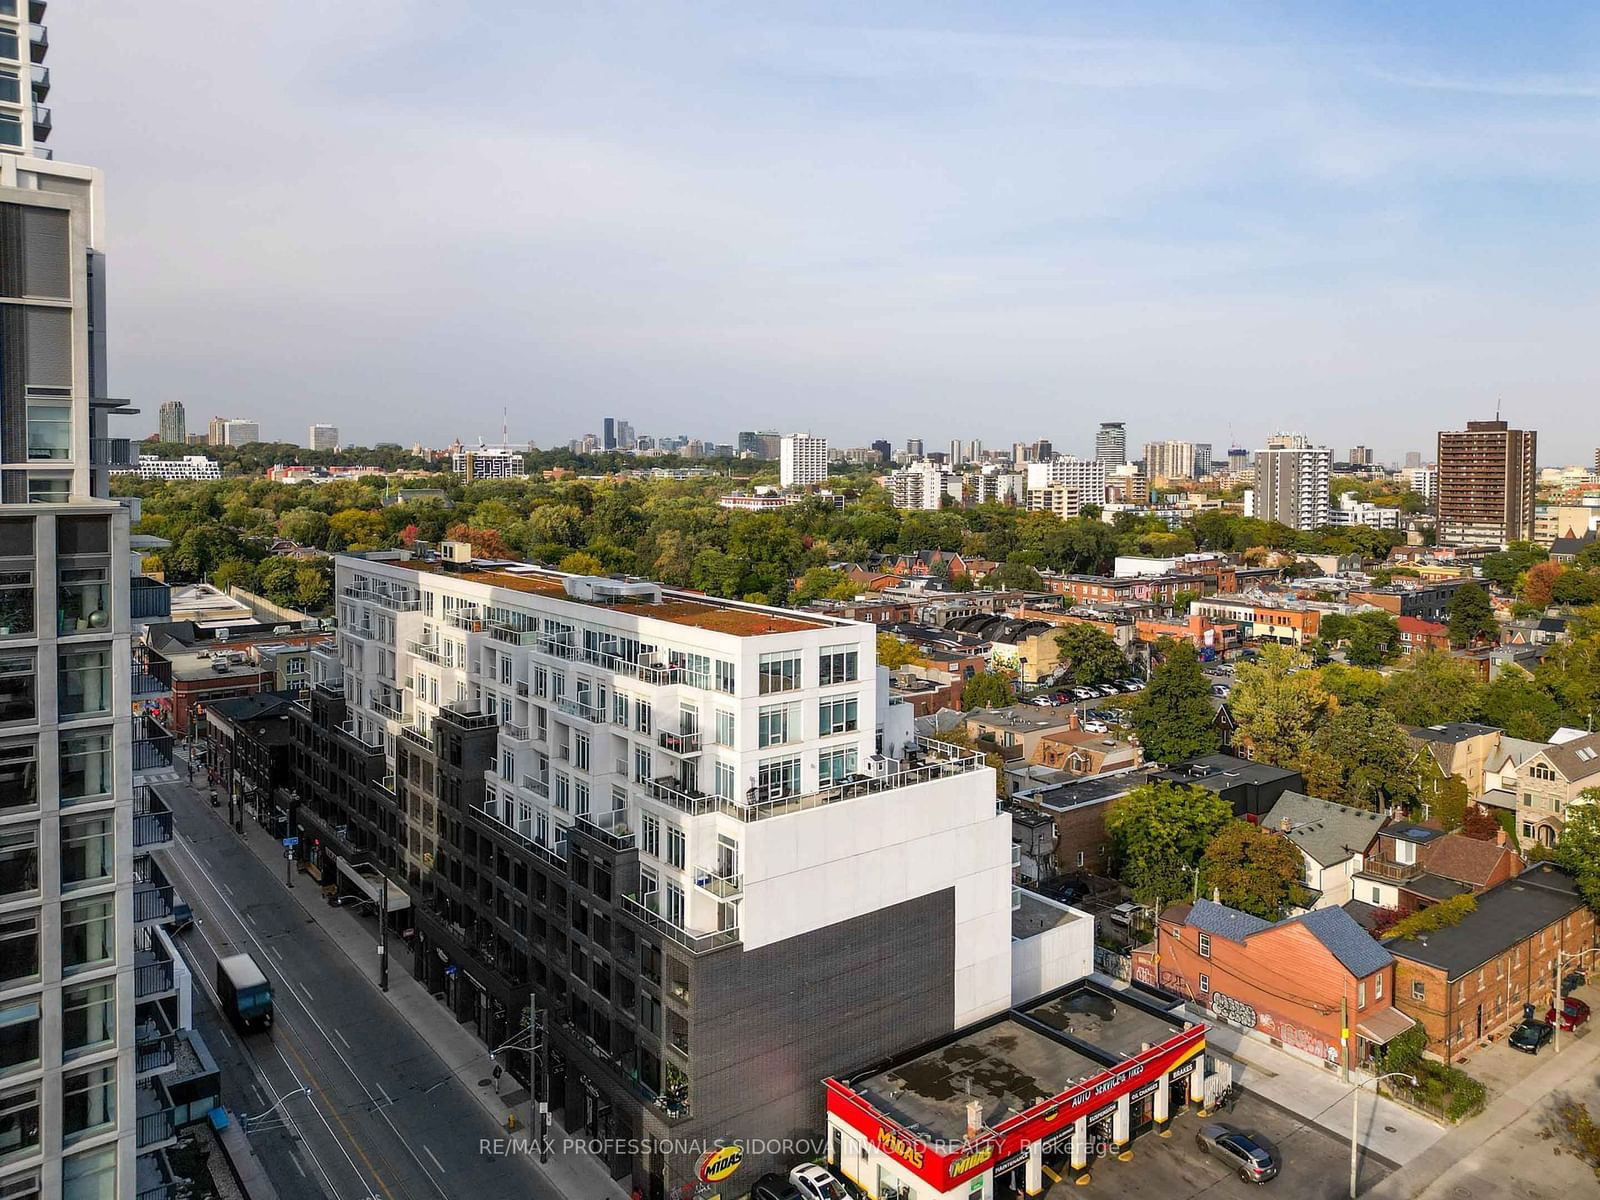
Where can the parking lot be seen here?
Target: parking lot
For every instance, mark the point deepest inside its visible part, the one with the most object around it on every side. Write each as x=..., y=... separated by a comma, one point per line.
x=1315, y=1165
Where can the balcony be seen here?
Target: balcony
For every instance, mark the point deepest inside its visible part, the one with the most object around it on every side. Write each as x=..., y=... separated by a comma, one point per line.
x=522, y=688
x=682, y=744
x=722, y=882
x=41, y=82
x=153, y=750
x=555, y=855
x=659, y=675
x=553, y=646
x=155, y=1042
x=412, y=733
x=513, y=732
x=539, y=785
x=152, y=894
x=673, y=791
x=41, y=133
x=38, y=42
x=155, y=1178
x=427, y=653
x=353, y=731
x=148, y=599
x=691, y=940
x=467, y=622
x=393, y=601
x=386, y=710
x=572, y=707
x=153, y=973
x=608, y=828
x=1393, y=872
x=152, y=821
x=151, y=677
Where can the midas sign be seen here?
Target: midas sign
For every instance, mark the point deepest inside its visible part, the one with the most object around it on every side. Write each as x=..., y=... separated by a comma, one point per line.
x=971, y=1160
x=717, y=1165
x=902, y=1147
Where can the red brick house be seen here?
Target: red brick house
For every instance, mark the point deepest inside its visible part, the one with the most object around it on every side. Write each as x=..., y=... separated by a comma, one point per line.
x=1418, y=635
x=1290, y=982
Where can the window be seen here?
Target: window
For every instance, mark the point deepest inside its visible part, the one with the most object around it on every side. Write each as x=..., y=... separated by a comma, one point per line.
x=1377, y=987
x=82, y=600
x=619, y=709
x=641, y=716
x=19, y=948
x=19, y=1123
x=641, y=765
x=19, y=1036
x=1205, y=945
x=1361, y=993
x=19, y=860
x=723, y=780
x=677, y=847
x=88, y=934
x=49, y=432
x=648, y=886
x=87, y=854
x=835, y=766
x=724, y=729
x=1205, y=984
x=84, y=679
x=836, y=716
x=19, y=776
x=777, y=778
x=540, y=682
x=837, y=665
x=18, y=687
x=650, y=835
x=773, y=725
x=675, y=906
x=779, y=672
x=1418, y=990
x=88, y=1017
x=48, y=489
x=16, y=603
x=508, y=765
x=1377, y=895
x=580, y=798
x=562, y=793
x=725, y=677
x=88, y=1102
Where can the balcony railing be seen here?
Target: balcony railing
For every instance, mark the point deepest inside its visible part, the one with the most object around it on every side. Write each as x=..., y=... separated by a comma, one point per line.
x=692, y=941
x=152, y=978
x=539, y=785
x=151, y=902
x=152, y=821
x=724, y=885
x=155, y=1044
x=513, y=636
x=385, y=709
x=555, y=647
x=574, y=707
x=469, y=622
x=353, y=732
x=660, y=675
x=155, y=1128
x=681, y=744
x=103, y=452
x=511, y=731
x=1394, y=872
x=416, y=735
x=153, y=751
x=393, y=601
x=148, y=598
x=555, y=855
x=609, y=828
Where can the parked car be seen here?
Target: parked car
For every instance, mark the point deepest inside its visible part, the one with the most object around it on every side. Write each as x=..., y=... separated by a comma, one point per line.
x=816, y=1183
x=773, y=1186
x=1218, y=689
x=1133, y=685
x=1531, y=1036
x=1253, y=1161
x=1572, y=982
x=1574, y=1012
x=1084, y=693
x=1096, y=727
x=1044, y=701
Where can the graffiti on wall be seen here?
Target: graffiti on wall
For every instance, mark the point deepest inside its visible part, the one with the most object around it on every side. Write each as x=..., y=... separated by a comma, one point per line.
x=1109, y=962
x=1235, y=1012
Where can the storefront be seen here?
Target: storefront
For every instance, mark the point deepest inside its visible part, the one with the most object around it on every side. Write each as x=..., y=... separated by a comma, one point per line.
x=944, y=1120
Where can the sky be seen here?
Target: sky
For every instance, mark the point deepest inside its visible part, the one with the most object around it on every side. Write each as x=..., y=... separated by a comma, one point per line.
x=1005, y=221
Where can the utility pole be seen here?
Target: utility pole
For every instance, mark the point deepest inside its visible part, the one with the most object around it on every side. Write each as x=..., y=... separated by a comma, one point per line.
x=541, y=1101
x=383, y=938
x=1344, y=1039
x=288, y=866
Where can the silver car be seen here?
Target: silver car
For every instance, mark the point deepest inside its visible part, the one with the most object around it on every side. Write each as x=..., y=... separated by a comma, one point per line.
x=1253, y=1162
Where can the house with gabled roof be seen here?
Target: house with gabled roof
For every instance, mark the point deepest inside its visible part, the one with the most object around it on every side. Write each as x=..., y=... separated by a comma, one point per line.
x=1543, y=785
x=1332, y=839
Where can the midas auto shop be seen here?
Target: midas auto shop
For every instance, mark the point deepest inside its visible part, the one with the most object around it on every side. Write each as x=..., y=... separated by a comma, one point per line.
x=1069, y=1078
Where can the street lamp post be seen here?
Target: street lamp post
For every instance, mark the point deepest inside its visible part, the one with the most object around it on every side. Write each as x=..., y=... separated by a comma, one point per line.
x=299, y=1091
x=1355, y=1121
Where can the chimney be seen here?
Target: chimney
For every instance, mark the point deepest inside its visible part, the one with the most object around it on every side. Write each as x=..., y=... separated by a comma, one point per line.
x=1072, y=720
x=1285, y=825
x=974, y=1118
x=1216, y=895
x=1500, y=838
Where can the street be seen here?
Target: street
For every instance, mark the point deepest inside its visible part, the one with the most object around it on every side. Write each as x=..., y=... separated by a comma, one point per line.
x=385, y=1116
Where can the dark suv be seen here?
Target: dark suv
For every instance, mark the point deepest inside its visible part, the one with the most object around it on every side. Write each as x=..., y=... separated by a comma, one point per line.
x=1531, y=1036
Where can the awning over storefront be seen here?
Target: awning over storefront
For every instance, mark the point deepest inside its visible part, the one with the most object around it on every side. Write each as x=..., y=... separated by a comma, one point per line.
x=1384, y=1026
x=369, y=883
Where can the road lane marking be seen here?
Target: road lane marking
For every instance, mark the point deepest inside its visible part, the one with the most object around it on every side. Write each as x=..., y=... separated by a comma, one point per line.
x=340, y=1036
x=435, y=1158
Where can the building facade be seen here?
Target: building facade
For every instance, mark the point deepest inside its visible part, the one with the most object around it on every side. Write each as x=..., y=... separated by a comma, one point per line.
x=660, y=816
x=803, y=460
x=172, y=428
x=190, y=466
x=923, y=485
x=1292, y=486
x=489, y=462
x=1486, y=479
x=322, y=437
x=1111, y=444
x=236, y=431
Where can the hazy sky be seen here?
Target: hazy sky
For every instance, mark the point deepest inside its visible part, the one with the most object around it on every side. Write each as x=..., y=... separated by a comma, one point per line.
x=1000, y=221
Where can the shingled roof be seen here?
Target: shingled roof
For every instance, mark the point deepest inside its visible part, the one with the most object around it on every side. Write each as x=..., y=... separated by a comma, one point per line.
x=1328, y=832
x=1340, y=934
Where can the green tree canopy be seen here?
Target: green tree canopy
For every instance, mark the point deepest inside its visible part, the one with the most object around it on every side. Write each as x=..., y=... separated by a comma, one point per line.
x=1091, y=654
x=1277, y=702
x=894, y=652
x=1363, y=758
x=1370, y=639
x=1173, y=717
x=1471, y=616
x=1433, y=688
x=1159, y=830
x=1518, y=705
x=987, y=689
x=1253, y=870
x=1506, y=568
x=1578, y=848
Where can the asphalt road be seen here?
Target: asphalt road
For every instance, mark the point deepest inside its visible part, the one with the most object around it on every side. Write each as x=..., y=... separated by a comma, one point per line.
x=385, y=1117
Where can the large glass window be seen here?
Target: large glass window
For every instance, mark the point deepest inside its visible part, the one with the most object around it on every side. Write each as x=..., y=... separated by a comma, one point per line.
x=777, y=778
x=88, y=1017
x=779, y=672
x=836, y=716
x=19, y=948
x=18, y=687
x=838, y=665
x=724, y=728
x=88, y=933
x=48, y=489
x=88, y=1102
x=83, y=600
x=19, y=860
x=86, y=766
x=725, y=677
x=19, y=775
x=87, y=854
x=650, y=835
x=722, y=780
x=835, y=766
x=91, y=1175
x=49, y=432
x=85, y=681
x=19, y=1123
x=16, y=603
x=19, y=1036
x=777, y=724
x=677, y=847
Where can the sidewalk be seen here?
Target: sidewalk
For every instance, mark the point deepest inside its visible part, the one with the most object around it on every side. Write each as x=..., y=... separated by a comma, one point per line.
x=1388, y=1130
x=456, y=1046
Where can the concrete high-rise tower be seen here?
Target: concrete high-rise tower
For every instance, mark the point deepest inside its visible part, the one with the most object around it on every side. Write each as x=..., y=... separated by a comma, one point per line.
x=1111, y=444
x=322, y=437
x=1292, y=486
x=172, y=427
x=1487, y=474
x=803, y=460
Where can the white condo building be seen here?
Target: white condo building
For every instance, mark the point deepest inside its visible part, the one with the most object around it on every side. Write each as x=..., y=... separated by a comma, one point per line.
x=923, y=485
x=322, y=437
x=190, y=466
x=803, y=460
x=1085, y=476
x=489, y=462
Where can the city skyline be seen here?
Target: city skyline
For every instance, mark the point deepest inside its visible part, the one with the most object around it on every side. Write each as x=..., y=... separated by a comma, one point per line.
x=1083, y=218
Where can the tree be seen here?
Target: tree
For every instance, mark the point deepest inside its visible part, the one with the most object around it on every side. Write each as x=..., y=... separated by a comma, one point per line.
x=1478, y=822
x=1353, y=685
x=1371, y=638
x=581, y=562
x=1471, y=616
x=235, y=572
x=894, y=652
x=1371, y=756
x=311, y=588
x=1173, y=717
x=987, y=689
x=819, y=583
x=485, y=542
x=1276, y=703
x=1578, y=848
x=1538, y=583
x=1518, y=705
x=354, y=528
x=1433, y=688
x=1253, y=870
x=1183, y=601
x=1091, y=654
x=1015, y=576
x=1506, y=568
x=1158, y=832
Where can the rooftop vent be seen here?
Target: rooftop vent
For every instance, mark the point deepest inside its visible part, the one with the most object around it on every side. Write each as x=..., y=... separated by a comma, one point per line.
x=459, y=553
x=610, y=591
